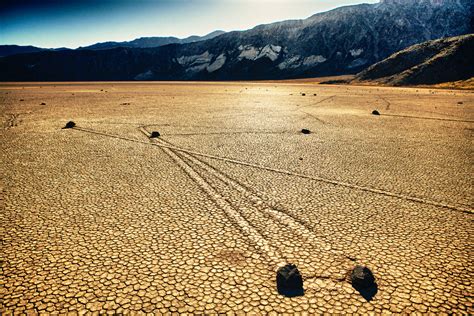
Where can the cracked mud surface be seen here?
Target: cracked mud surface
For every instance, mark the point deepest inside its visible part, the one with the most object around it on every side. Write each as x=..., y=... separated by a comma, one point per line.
x=100, y=218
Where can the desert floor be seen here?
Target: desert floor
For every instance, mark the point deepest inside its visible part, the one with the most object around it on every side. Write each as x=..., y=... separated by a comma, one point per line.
x=102, y=218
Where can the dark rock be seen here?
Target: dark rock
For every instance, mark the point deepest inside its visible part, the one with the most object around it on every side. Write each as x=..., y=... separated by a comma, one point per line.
x=375, y=112
x=289, y=281
x=22, y=100
x=362, y=277
x=363, y=281
x=154, y=134
x=69, y=124
x=42, y=103
x=458, y=102
x=305, y=131
x=337, y=81
x=303, y=94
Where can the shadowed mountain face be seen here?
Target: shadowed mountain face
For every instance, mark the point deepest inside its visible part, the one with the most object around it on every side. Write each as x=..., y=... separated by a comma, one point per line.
x=7, y=50
x=341, y=41
x=437, y=61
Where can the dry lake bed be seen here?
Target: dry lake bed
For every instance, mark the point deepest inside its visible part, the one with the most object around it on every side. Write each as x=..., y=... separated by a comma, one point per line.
x=101, y=218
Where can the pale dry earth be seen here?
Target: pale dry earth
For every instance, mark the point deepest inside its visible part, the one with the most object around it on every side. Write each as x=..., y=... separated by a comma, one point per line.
x=101, y=219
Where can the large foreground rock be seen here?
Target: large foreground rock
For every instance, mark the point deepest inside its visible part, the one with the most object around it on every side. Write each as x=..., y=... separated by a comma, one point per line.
x=289, y=280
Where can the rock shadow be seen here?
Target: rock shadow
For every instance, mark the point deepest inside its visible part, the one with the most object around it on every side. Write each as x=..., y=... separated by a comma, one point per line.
x=363, y=281
x=290, y=292
x=367, y=293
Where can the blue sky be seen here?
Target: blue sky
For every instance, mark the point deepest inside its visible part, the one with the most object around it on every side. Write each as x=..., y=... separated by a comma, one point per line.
x=73, y=23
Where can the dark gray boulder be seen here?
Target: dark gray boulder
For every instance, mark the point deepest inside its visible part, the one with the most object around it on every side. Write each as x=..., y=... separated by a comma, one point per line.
x=362, y=277
x=363, y=281
x=69, y=124
x=154, y=134
x=289, y=281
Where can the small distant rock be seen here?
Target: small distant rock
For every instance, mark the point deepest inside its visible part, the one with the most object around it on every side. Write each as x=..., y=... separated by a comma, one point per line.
x=289, y=280
x=375, y=112
x=154, y=134
x=125, y=103
x=305, y=131
x=42, y=103
x=303, y=94
x=362, y=277
x=460, y=102
x=315, y=94
x=21, y=100
x=69, y=124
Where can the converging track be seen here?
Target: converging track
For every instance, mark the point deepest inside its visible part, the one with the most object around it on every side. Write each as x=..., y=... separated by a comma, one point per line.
x=286, y=172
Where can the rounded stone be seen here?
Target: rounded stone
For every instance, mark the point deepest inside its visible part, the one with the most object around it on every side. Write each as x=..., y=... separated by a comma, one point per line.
x=362, y=277
x=70, y=124
x=154, y=134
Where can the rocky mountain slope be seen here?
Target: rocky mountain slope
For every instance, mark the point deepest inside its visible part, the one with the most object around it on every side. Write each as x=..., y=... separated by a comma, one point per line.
x=432, y=62
x=341, y=41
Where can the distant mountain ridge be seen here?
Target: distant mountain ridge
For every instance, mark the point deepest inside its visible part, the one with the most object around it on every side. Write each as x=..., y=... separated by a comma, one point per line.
x=148, y=42
x=433, y=62
x=8, y=50
x=142, y=42
x=341, y=41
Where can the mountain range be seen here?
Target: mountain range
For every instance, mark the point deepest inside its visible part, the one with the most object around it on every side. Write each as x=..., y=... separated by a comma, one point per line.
x=432, y=62
x=8, y=50
x=147, y=42
x=345, y=40
x=142, y=42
